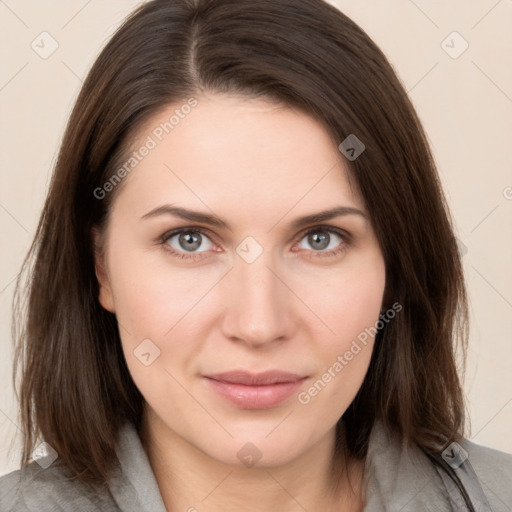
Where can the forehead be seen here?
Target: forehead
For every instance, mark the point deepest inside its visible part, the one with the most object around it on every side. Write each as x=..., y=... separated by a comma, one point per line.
x=237, y=153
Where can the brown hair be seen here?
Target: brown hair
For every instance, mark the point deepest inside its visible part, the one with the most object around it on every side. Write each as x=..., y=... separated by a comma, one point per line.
x=76, y=390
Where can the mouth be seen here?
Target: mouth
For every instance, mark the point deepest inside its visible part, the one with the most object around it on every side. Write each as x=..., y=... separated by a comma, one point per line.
x=255, y=391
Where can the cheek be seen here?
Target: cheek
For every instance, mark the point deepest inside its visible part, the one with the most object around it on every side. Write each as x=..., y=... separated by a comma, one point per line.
x=161, y=316
x=349, y=305
x=347, y=302
x=151, y=295
x=344, y=356
x=155, y=317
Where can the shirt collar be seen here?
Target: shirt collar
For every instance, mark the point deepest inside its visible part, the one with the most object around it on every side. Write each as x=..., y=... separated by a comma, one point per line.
x=399, y=476
x=134, y=486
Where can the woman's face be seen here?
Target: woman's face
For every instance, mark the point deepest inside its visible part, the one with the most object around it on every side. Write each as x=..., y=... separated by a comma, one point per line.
x=248, y=286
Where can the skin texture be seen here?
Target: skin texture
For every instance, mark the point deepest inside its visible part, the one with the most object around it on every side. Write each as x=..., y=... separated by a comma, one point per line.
x=259, y=166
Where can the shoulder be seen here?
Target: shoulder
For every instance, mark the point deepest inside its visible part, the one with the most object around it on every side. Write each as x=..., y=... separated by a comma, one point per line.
x=33, y=488
x=399, y=472
x=494, y=470
x=131, y=487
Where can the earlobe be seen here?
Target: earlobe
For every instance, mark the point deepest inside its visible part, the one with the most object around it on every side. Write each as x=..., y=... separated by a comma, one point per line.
x=105, y=296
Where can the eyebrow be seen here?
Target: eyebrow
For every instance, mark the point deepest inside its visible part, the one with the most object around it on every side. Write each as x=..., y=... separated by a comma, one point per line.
x=213, y=220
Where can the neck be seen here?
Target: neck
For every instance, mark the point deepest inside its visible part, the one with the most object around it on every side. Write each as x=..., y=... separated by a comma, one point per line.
x=190, y=480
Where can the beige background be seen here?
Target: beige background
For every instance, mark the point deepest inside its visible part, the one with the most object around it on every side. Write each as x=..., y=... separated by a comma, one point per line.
x=465, y=104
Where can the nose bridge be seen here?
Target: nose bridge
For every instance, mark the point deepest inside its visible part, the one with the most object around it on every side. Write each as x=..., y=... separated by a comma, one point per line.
x=257, y=309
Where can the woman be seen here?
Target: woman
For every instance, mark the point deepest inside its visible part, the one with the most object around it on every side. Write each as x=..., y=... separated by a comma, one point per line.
x=245, y=291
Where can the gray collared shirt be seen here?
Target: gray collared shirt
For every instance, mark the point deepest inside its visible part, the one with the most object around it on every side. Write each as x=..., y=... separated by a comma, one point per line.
x=397, y=478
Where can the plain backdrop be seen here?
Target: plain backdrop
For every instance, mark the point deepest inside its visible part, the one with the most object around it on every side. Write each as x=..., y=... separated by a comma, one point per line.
x=454, y=58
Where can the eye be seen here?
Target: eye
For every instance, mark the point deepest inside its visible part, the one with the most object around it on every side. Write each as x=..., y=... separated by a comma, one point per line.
x=322, y=238
x=185, y=243
x=190, y=243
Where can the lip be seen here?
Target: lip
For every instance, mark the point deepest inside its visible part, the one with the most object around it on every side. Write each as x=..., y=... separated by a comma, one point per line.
x=255, y=390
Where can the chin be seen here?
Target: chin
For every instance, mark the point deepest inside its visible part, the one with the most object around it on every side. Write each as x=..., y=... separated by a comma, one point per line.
x=256, y=448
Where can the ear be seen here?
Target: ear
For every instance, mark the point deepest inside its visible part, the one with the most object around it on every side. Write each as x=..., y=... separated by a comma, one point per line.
x=105, y=295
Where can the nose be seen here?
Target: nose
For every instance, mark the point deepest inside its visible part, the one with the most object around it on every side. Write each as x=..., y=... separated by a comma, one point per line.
x=259, y=307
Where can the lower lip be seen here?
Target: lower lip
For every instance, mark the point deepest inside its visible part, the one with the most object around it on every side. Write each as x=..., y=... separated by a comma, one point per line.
x=255, y=397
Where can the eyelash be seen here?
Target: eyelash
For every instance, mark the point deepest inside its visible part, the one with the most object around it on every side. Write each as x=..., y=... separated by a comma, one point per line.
x=196, y=256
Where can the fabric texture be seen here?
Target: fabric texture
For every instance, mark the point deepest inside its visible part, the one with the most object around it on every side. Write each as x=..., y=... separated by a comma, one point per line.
x=398, y=477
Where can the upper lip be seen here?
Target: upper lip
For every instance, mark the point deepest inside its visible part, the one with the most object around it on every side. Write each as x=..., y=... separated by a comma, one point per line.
x=254, y=379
